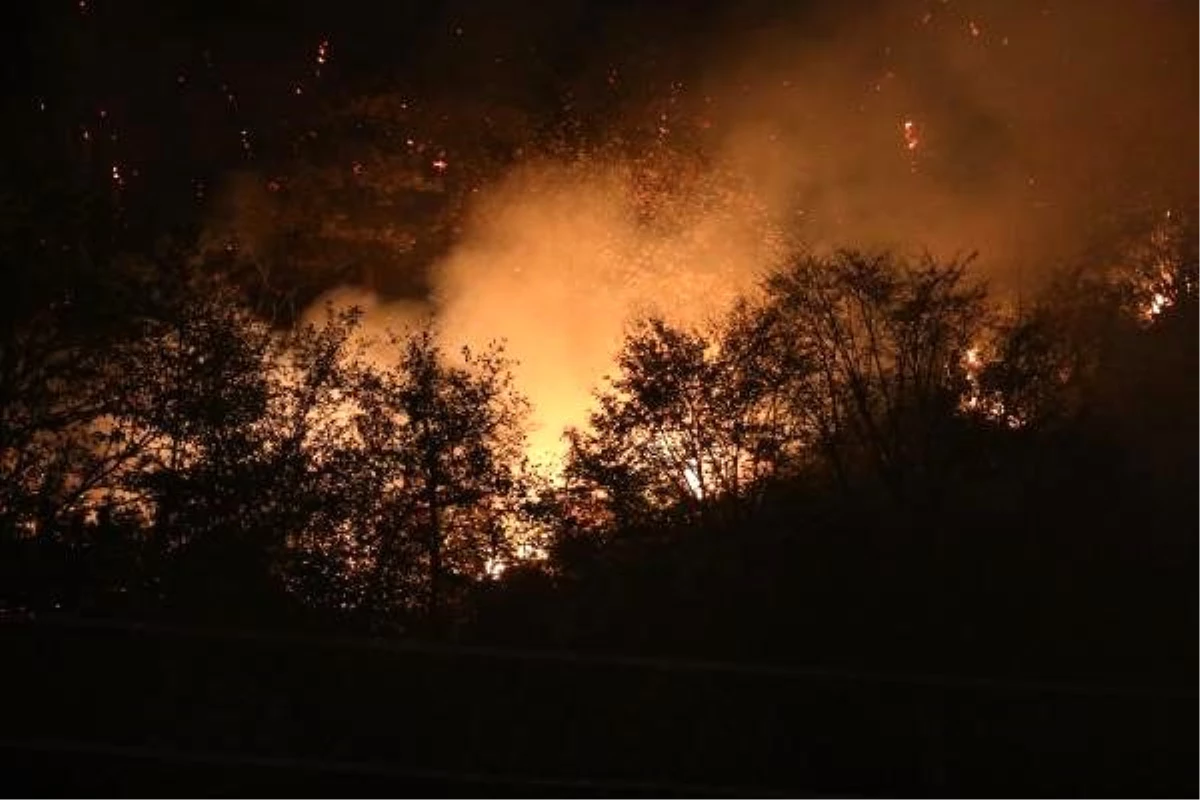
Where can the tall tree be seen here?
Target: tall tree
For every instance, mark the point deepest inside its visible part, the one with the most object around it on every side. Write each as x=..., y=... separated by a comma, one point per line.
x=443, y=440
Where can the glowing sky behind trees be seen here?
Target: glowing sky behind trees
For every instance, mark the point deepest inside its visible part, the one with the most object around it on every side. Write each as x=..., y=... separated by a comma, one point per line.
x=540, y=174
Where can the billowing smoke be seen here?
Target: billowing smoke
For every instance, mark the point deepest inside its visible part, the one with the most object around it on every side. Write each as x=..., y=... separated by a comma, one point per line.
x=1030, y=132
x=557, y=258
x=1027, y=131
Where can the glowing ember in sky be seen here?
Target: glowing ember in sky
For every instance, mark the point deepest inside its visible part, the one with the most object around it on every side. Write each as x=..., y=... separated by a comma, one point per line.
x=911, y=139
x=322, y=52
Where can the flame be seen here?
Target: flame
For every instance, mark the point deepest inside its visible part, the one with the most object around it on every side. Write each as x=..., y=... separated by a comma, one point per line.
x=1157, y=304
x=557, y=259
x=975, y=401
x=1152, y=270
x=691, y=476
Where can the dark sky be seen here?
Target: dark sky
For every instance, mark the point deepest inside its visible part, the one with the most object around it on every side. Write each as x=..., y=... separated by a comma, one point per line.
x=164, y=90
x=1102, y=94
x=159, y=101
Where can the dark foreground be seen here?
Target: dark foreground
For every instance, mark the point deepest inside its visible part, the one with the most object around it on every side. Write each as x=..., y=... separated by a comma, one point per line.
x=114, y=709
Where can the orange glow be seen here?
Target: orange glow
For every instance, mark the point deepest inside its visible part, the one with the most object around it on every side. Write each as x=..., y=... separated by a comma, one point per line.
x=558, y=258
x=975, y=400
x=692, y=477
x=1157, y=303
x=1152, y=272
x=554, y=254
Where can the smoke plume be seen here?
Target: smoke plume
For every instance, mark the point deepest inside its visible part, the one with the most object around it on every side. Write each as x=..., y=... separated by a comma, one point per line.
x=1033, y=133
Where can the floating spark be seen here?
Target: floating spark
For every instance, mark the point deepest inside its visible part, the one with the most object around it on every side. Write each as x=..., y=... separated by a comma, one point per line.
x=322, y=54
x=440, y=164
x=911, y=138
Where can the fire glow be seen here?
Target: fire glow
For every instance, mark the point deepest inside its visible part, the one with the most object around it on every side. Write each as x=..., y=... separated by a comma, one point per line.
x=554, y=252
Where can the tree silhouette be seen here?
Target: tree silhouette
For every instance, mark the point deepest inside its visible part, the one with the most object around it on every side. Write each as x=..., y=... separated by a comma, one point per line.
x=884, y=344
x=694, y=421
x=442, y=441
x=59, y=452
x=197, y=384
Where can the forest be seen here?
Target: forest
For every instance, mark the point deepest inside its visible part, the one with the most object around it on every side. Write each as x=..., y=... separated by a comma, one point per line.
x=869, y=460
x=828, y=434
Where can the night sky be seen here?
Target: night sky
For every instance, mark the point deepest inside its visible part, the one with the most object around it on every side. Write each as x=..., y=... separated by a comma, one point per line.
x=1094, y=99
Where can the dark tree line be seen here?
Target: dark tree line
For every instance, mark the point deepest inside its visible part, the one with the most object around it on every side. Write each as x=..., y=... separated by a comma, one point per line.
x=869, y=450
x=243, y=469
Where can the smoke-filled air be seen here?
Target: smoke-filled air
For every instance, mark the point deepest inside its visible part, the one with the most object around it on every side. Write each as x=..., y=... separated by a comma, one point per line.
x=623, y=397
x=1030, y=133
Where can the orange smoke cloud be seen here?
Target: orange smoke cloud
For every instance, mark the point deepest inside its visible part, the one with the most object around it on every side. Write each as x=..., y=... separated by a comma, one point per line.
x=1022, y=134
x=555, y=260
